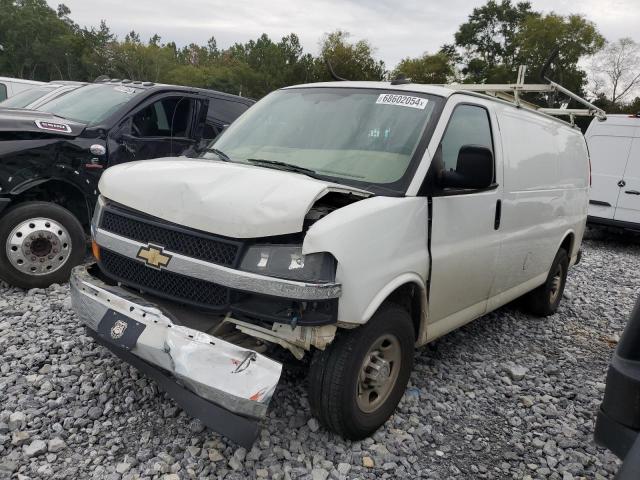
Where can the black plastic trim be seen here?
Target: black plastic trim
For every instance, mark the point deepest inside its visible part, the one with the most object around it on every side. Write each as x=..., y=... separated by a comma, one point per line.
x=282, y=310
x=613, y=435
x=4, y=203
x=609, y=222
x=127, y=282
x=160, y=223
x=239, y=429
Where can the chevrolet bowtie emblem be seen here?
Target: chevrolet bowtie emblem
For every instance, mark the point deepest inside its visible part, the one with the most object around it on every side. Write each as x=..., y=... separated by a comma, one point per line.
x=153, y=256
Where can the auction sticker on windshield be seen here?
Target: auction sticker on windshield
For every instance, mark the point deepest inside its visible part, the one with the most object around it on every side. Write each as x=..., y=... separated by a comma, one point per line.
x=402, y=100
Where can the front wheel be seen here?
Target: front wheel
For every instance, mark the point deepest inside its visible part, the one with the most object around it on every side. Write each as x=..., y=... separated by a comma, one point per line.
x=40, y=242
x=356, y=383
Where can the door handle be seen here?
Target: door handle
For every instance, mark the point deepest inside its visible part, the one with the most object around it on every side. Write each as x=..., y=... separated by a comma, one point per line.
x=496, y=220
x=632, y=192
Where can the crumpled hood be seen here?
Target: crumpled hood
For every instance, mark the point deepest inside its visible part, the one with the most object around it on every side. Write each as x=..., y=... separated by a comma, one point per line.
x=229, y=199
x=22, y=120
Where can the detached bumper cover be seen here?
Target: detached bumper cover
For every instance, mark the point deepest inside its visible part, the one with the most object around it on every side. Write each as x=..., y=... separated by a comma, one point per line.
x=189, y=364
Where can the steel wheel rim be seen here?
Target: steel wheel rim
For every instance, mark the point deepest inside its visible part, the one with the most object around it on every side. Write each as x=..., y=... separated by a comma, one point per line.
x=379, y=373
x=38, y=246
x=556, y=283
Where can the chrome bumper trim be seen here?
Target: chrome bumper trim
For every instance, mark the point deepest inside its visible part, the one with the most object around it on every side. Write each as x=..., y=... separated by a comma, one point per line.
x=228, y=277
x=206, y=365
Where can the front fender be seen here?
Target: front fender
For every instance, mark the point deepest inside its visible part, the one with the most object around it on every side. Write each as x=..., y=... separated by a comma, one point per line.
x=377, y=242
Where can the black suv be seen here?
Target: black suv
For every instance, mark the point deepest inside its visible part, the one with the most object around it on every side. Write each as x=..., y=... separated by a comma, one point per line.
x=52, y=158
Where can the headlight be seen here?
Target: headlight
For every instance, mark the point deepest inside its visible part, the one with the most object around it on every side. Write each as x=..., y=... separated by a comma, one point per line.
x=287, y=261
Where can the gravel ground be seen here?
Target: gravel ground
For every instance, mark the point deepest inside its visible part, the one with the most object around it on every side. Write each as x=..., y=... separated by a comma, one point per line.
x=508, y=396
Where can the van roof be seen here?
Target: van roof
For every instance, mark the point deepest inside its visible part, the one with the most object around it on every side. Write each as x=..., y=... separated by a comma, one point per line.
x=442, y=90
x=408, y=87
x=621, y=119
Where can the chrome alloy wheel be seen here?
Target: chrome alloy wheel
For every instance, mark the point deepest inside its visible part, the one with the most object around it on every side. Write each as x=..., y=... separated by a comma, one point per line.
x=379, y=373
x=556, y=283
x=38, y=246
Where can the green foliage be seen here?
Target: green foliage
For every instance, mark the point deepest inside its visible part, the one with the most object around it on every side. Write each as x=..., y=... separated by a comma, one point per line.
x=436, y=68
x=353, y=61
x=499, y=37
x=490, y=36
x=41, y=43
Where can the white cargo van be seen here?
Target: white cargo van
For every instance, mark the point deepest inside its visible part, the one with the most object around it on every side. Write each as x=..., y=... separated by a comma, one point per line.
x=345, y=221
x=11, y=86
x=614, y=147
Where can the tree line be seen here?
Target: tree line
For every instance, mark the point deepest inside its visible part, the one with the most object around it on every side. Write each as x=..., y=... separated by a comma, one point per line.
x=40, y=43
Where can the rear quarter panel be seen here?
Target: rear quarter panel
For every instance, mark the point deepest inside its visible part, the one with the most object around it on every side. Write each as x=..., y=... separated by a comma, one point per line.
x=546, y=193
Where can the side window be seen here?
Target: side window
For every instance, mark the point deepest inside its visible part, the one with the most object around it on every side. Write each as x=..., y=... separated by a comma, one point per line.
x=3, y=92
x=170, y=116
x=221, y=112
x=469, y=125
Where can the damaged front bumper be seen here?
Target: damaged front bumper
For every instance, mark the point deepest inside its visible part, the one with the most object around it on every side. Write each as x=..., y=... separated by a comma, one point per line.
x=226, y=386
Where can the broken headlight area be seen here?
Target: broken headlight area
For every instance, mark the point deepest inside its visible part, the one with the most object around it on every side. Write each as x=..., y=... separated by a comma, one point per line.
x=288, y=262
x=264, y=308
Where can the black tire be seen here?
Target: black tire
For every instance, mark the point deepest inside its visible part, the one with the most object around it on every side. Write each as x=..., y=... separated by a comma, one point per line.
x=69, y=250
x=544, y=300
x=334, y=374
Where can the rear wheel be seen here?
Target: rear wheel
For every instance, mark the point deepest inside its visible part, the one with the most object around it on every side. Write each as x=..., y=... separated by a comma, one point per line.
x=544, y=300
x=40, y=243
x=356, y=383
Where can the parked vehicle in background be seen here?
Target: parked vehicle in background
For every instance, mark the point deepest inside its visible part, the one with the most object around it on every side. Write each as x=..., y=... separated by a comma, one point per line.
x=37, y=96
x=51, y=160
x=349, y=221
x=614, y=146
x=618, y=422
x=12, y=86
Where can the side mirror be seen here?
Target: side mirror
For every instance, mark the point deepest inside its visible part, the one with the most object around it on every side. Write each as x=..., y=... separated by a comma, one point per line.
x=473, y=170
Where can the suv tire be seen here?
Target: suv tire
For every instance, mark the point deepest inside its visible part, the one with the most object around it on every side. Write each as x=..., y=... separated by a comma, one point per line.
x=356, y=383
x=544, y=300
x=40, y=242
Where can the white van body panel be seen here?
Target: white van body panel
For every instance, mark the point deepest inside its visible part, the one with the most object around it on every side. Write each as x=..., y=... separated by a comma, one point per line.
x=364, y=239
x=628, y=208
x=545, y=194
x=614, y=147
x=229, y=199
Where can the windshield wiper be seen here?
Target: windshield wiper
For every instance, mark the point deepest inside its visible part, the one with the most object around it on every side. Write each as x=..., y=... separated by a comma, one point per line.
x=284, y=166
x=221, y=155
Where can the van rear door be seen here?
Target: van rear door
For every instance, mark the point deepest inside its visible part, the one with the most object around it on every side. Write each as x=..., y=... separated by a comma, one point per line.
x=628, y=207
x=609, y=147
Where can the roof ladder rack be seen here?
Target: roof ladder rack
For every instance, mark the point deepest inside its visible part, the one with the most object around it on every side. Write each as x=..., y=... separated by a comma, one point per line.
x=511, y=92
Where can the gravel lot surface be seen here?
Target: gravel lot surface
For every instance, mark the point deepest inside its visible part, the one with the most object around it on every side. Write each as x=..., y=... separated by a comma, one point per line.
x=508, y=396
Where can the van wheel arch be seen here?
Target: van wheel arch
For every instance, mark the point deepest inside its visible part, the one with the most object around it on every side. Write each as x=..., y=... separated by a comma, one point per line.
x=410, y=297
x=567, y=244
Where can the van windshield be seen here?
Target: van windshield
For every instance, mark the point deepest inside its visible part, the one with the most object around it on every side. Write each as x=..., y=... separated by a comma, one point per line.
x=349, y=135
x=90, y=104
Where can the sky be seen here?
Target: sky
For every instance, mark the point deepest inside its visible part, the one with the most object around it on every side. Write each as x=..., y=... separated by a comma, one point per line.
x=397, y=29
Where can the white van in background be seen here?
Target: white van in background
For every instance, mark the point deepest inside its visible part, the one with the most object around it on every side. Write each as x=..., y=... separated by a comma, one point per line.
x=10, y=86
x=614, y=147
